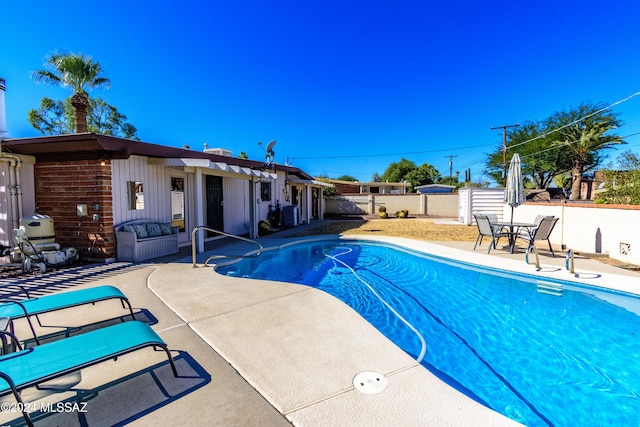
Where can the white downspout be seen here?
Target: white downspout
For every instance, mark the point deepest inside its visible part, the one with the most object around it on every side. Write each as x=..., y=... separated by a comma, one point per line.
x=253, y=209
x=18, y=190
x=15, y=192
x=199, y=210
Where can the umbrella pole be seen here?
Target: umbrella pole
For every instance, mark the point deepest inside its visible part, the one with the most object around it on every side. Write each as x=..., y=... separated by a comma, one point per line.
x=512, y=236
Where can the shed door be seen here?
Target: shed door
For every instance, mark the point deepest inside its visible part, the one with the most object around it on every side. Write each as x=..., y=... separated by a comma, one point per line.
x=214, y=202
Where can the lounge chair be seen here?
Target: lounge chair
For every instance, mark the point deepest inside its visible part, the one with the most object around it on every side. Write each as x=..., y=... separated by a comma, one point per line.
x=30, y=367
x=486, y=228
x=541, y=232
x=26, y=308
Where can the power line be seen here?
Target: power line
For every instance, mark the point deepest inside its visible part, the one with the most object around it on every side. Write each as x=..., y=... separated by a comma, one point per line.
x=388, y=154
x=481, y=145
x=577, y=120
x=465, y=147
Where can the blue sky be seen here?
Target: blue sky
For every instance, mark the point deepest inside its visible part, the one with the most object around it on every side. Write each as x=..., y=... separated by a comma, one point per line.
x=344, y=87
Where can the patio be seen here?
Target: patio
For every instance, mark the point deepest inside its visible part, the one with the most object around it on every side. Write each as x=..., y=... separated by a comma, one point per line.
x=257, y=353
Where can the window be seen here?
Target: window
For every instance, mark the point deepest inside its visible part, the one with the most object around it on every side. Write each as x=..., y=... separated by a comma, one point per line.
x=136, y=195
x=177, y=203
x=265, y=191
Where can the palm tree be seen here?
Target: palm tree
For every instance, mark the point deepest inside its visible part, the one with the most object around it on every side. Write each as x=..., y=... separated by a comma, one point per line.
x=584, y=138
x=78, y=72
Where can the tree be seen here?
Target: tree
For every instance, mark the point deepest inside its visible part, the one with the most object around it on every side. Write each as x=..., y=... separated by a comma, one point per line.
x=584, y=134
x=540, y=161
x=397, y=171
x=57, y=118
x=243, y=155
x=425, y=174
x=621, y=182
x=566, y=142
x=347, y=178
x=52, y=118
x=77, y=72
x=327, y=190
x=106, y=120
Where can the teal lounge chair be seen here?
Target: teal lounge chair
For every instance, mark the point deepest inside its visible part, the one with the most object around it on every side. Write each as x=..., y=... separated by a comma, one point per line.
x=26, y=308
x=30, y=367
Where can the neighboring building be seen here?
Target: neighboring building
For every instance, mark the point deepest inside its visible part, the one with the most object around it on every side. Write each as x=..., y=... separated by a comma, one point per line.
x=590, y=184
x=121, y=180
x=355, y=187
x=435, y=188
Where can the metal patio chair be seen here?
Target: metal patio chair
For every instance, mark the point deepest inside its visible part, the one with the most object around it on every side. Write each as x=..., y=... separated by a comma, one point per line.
x=542, y=232
x=486, y=228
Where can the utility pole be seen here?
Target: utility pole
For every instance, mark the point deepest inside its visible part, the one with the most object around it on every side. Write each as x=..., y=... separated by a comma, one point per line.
x=504, y=150
x=451, y=168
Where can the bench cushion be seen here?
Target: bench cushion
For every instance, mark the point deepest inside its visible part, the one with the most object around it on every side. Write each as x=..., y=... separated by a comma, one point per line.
x=166, y=228
x=141, y=231
x=153, y=229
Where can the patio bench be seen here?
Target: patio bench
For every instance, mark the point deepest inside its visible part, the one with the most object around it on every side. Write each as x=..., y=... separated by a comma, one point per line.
x=140, y=240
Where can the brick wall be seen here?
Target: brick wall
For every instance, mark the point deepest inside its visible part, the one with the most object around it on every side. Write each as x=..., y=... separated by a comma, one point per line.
x=347, y=188
x=60, y=187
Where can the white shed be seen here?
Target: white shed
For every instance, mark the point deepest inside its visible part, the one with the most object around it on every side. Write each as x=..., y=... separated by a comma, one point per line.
x=487, y=201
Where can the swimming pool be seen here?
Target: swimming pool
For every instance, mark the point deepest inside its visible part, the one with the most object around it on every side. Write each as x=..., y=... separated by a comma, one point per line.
x=542, y=353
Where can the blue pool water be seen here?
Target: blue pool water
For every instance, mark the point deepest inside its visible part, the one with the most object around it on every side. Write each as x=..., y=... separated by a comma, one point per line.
x=562, y=357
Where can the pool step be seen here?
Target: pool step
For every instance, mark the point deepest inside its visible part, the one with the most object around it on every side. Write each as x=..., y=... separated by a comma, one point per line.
x=549, y=288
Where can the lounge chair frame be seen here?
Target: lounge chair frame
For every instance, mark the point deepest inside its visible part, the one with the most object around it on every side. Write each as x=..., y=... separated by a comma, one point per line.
x=60, y=301
x=96, y=348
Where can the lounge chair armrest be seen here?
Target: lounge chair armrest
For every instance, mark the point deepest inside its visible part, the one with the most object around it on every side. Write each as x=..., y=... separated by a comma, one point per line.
x=13, y=338
x=18, y=303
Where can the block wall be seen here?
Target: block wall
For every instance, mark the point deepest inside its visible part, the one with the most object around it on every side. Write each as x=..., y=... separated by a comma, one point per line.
x=61, y=187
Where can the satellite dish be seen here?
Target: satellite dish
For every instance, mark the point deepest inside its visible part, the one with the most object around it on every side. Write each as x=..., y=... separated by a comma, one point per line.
x=270, y=146
x=270, y=154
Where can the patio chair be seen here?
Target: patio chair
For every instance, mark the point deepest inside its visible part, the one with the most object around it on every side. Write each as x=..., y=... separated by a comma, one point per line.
x=542, y=232
x=28, y=307
x=30, y=367
x=486, y=228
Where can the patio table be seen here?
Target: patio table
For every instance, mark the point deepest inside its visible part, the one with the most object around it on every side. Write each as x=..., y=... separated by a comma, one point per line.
x=513, y=230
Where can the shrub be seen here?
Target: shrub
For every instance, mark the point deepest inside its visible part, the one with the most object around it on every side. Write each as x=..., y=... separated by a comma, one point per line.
x=264, y=227
x=382, y=209
x=383, y=214
x=401, y=214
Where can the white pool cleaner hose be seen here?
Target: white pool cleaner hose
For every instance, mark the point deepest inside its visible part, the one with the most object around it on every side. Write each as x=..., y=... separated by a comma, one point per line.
x=423, y=351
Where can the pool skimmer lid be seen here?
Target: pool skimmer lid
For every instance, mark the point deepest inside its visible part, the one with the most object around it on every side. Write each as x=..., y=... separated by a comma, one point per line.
x=370, y=382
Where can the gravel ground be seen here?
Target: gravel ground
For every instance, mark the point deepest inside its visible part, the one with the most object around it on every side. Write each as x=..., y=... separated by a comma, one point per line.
x=421, y=229
x=414, y=228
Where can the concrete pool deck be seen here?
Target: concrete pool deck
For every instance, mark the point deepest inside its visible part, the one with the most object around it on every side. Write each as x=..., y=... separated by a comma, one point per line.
x=264, y=353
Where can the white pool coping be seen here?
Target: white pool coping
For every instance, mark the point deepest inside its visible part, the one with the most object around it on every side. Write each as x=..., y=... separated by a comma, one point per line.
x=301, y=348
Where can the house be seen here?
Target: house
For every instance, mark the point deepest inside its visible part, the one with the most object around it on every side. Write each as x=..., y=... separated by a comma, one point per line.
x=355, y=187
x=118, y=180
x=435, y=188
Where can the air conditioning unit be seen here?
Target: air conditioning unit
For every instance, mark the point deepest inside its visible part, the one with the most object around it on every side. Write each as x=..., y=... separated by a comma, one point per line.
x=219, y=151
x=291, y=216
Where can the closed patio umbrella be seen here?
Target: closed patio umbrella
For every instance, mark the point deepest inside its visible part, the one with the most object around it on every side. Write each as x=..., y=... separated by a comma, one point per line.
x=514, y=195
